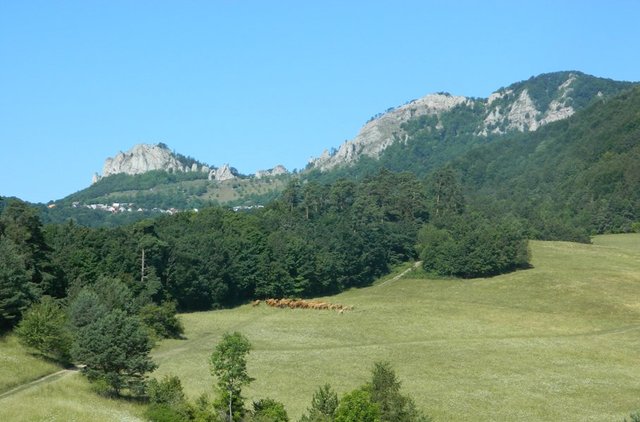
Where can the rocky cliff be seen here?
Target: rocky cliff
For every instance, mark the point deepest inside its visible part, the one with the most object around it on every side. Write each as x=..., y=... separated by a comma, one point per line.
x=380, y=132
x=147, y=157
x=523, y=106
x=276, y=171
x=225, y=172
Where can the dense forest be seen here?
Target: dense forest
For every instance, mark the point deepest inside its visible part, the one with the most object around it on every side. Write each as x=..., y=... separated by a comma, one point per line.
x=570, y=179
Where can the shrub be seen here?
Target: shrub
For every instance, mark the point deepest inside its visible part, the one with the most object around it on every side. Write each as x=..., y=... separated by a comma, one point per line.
x=44, y=328
x=269, y=410
x=357, y=406
x=161, y=320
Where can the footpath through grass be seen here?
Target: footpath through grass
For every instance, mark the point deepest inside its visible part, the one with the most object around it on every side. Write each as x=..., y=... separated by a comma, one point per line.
x=69, y=398
x=64, y=397
x=560, y=341
x=18, y=366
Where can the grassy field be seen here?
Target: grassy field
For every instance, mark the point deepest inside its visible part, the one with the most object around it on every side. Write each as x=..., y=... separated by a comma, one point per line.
x=63, y=397
x=18, y=366
x=560, y=341
x=69, y=398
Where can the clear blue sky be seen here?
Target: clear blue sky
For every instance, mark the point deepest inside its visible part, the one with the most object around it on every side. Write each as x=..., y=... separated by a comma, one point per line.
x=259, y=83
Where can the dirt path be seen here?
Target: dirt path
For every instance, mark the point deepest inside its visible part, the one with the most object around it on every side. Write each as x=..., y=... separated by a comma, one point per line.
x=43, y=380
x=402, y=274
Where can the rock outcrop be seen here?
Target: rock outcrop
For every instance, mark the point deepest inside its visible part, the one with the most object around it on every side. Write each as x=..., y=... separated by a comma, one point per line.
x=276, y=171
x=223, y=173
x=508, y=109
x=141, y=159
x=521, y=113
x=382, y=131
x=147, y=157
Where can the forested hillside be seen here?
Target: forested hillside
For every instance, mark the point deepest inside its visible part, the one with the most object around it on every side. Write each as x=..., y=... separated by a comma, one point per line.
x=567, y=180
x=418, y=137
x=570, y=179
x=155, y=192
x=424, y=143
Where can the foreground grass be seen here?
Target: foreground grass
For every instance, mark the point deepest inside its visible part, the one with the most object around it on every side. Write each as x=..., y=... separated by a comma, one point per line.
x=556, y=342
x=18, y=366
x=69, y=398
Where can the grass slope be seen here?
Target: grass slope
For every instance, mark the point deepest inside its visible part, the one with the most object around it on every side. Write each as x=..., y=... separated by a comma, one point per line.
x=556, y=342
x=69, y=398
x=62, y=397
x=18, y=366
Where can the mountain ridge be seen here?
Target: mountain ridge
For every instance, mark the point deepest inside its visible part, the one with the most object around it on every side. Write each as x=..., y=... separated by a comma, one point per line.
x=419, y=137
x=143, y=158
x=522, y=106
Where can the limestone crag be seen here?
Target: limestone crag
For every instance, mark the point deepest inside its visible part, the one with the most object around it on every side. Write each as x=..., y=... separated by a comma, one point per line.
x=380, y=132
x=140, y=159
x=508, y=109
x=147, y=157
x=276, y=171
x=223, y=173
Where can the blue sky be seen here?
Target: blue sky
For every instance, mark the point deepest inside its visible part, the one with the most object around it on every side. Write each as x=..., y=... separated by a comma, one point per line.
x=260, y=83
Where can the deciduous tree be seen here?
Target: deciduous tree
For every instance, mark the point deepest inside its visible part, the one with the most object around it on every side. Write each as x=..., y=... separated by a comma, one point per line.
x=229, y=366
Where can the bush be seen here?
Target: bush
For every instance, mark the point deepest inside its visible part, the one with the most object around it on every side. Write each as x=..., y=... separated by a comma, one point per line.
x=167, y=391
x=44, y=328
x=357, y=406
x=269, y=410
x=165, y=413
x=634, y=417
x=161, y=320
x=323, y=405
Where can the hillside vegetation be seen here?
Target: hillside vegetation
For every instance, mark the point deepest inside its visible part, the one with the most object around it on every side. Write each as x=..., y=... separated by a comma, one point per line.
x=156, y=191
x=419, y=145
x=583, y=172
x=555, y=342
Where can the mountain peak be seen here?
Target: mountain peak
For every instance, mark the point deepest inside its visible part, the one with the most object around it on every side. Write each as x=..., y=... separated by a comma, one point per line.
x=146, y=157
x=523, y=106
x=382, y=130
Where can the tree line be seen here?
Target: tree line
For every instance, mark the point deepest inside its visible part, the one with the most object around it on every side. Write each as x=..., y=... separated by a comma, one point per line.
x=315, y=239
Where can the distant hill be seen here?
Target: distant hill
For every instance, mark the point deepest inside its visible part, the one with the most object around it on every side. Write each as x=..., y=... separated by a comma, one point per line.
x=149, y=180
x=419, y=137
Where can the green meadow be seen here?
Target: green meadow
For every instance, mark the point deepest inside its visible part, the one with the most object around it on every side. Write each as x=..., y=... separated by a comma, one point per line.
x=32, y=389
x=559, y=341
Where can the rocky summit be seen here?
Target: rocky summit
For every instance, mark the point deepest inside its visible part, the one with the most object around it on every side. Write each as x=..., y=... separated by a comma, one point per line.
x=524, y=106
x=146, y=157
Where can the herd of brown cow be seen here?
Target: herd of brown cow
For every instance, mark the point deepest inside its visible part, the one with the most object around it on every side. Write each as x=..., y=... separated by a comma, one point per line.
x=303, y=304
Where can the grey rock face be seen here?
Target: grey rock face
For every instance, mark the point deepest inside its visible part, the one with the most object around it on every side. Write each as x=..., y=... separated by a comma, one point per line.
x=146, y=157
x=504, y=110
x=140, y=159
x=276, y=171
x=378, y=134
x=223, y=173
